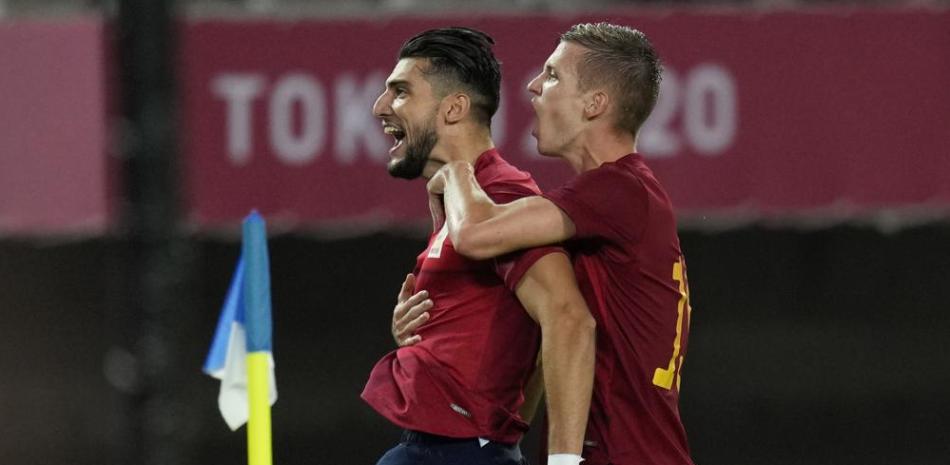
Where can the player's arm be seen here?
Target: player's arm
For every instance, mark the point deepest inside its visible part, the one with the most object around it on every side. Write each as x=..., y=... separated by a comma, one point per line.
x=549, y=293
x=480, y=228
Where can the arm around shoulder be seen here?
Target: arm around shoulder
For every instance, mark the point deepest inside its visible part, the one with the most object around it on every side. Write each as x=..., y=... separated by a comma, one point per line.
x=481, y=228
x=527, y=222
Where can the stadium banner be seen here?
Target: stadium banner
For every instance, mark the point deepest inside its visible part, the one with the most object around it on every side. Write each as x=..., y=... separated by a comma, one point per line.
x=53, y=173
x=826, y=113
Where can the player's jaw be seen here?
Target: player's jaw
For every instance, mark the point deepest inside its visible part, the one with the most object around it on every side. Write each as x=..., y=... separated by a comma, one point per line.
x=539, y=129
x=555, y=125
x=411, y=149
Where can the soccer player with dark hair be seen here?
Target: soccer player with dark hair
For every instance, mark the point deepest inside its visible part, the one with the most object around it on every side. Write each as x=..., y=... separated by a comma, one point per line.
x=458, y=385
x=593, y=94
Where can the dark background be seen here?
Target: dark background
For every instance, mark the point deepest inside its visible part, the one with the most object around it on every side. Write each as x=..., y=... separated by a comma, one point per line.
x=806, y=347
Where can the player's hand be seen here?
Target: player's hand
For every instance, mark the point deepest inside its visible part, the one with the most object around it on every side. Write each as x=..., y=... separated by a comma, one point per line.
x=436, y=184
x=436, y=187
x=410, y=313
x=450, y=170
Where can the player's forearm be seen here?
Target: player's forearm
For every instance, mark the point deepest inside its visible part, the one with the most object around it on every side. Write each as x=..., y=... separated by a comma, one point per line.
x=467, y=207
x=567, y=353
x=548, y=291
x=480, y=229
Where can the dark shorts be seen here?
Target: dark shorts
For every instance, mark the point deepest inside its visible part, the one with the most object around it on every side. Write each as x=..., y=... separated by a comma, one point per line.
x=418, y=448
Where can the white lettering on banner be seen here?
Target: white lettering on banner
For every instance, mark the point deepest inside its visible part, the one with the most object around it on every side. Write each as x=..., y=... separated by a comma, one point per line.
x=355, y=122
x=707, y=100
x=710, y=130
x=302, y=148
x=238, y=92
x=657, y=138
x=698, y=111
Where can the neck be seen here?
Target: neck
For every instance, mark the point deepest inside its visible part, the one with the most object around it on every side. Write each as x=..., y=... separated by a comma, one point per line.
x=601, y=147
x=458, y=144
x=463, y=144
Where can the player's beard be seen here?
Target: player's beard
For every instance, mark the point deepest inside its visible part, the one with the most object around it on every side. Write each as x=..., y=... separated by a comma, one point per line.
x=417, y=154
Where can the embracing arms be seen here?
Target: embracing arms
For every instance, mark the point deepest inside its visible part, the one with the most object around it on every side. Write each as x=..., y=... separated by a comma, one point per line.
x=480, y=228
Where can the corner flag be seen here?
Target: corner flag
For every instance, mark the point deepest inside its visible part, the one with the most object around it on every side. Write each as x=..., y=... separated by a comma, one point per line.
x=240, y=354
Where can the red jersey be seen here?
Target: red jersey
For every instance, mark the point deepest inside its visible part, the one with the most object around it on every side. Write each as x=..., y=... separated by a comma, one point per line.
x=466, y=377
x=633, y=276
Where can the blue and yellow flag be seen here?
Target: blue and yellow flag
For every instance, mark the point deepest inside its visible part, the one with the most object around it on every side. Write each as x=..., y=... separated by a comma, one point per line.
x=240, y=354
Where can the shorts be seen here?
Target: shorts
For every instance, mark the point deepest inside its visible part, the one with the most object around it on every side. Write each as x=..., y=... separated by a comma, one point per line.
x=418, y=448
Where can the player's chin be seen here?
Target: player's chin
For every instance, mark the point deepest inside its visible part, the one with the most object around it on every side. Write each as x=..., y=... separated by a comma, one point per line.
x=396, y=159
x=541, y=143
x=402, y=168
x=396, y=164
x=543, y=149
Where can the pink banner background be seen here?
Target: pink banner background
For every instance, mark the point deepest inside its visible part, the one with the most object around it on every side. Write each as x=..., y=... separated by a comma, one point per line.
x=52, y=127
x=829, y=114
x=761, y=114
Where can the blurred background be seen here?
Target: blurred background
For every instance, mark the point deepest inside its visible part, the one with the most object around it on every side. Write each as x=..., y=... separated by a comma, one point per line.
x=805, y=144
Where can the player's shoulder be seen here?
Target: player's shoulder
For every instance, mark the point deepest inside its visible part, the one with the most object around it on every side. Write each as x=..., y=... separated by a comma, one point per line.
x=634, y=167
x=615, y=179
x=630, y=166
x=498, y=177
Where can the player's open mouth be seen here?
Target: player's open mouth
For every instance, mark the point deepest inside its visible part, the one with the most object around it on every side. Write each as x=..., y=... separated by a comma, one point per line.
x=397, y=133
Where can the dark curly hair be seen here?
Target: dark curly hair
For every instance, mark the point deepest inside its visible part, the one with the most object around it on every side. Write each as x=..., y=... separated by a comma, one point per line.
x=460, y=57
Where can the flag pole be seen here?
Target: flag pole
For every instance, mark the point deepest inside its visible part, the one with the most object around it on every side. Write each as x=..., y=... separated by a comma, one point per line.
x=258, y=423
x=257, y=307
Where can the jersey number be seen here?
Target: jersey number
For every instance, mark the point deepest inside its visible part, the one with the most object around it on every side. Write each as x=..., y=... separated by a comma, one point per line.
x=664, y=377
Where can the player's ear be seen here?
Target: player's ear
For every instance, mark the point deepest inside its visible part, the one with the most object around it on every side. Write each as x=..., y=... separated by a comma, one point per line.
x=596, y=104
x=456, y=107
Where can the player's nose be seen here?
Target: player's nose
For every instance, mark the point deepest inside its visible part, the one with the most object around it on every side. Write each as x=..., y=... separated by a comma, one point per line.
x=534, y=87
x=382, y=105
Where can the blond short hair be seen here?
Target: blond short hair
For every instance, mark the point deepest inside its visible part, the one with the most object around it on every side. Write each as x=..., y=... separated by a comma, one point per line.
x=622, y=60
